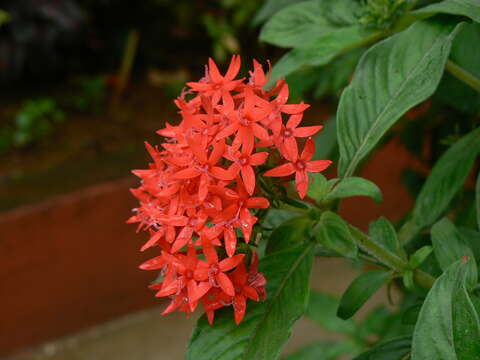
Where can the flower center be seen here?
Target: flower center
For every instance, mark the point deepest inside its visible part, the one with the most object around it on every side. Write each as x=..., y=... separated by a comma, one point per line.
x=243, y=160
x=213, y=270
x=288, y=132
x=189, y=274
x=300, y=165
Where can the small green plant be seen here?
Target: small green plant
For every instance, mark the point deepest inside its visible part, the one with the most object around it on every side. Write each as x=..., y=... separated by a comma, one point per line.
x=91, y=94
x=35, y=120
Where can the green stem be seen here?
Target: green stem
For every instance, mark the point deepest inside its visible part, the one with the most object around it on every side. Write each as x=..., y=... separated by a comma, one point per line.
x=463, y=75
x=394, y=262
x=423, y=279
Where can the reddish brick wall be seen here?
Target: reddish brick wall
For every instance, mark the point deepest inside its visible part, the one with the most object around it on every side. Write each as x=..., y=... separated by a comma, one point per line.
x=68, y=264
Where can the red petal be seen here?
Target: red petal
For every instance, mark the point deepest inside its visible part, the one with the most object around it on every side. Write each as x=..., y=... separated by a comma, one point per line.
x=308, y=150
x=153, y=240
x=233, y=68
x=250, y=292
x=294, y=121
x=225, y=284
x=307, y=131
x=239, y=307
x=282, y=170
x=168, y=290
x=301, y=183
x=153, y=264
x=223, y=174
x=187, y=173
x=217, y=152
x=294, y=108
x=215, y=75
x=260, y=132
x=231, y=262
x=292, y=148
x=258, y=158
x=248, y=177
x=257, y=203
x=317, y=165
x=230, y=240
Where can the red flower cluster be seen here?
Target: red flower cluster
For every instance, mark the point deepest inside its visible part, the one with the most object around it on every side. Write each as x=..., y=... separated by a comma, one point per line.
x=196, y=197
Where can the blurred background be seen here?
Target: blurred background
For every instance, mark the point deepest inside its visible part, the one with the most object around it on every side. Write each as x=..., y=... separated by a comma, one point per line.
x=83, y=83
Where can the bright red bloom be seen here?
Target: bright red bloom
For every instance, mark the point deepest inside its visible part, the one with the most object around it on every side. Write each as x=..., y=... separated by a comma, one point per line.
x=301, y=167
x=197, y=196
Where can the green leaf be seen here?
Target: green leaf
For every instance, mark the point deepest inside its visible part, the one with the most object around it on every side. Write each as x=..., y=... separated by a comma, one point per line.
x=275, y=217
x=448, y=327
x=449, y=245
x=270, y=7
x=468, y=8
x=383, y=233
x=359, y=291
x=477, y=199
x=322, y=351
x=355, y=186
x=472, y=238
x=408, y=280
x=392, y=76
x=326, y=140
x=395, y=349
x=445, y=179
x=289, y=233
x=453, y=91
x=318, y=188
x=322, y=308
x=288, y=275
x=419, y=256
x=332, y=232
x=296, y=25
x=410, y=315
x=321, y=50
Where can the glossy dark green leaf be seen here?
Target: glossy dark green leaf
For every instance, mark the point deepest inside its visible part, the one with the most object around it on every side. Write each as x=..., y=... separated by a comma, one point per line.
x=266, y=326
x=392, y=76
x=296, y=25
x=453, y=91
x=419, y=256
x=289, y=233
x=472, y=238
x=444, y=181
x=322, y=351
x=408, y=280
x=332, y=232
x=383, y=233
x=326, y=140
x=322, y=308
x=321, y=50
x=395, y=349
x=410, y=315
x=468, y=8
x=276, y=217
x=449, y=245
x=318, y=188
x=448, y=326
x=271, y=7
x=359, y=291
x=477, y=200
x=355, y=186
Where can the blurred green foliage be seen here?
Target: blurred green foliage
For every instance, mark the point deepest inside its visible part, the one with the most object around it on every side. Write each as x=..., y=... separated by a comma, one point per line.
x=91, y=95
x=34, y=121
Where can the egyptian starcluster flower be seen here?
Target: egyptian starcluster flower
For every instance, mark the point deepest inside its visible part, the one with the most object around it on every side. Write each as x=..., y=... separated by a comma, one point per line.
x=200, y=194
